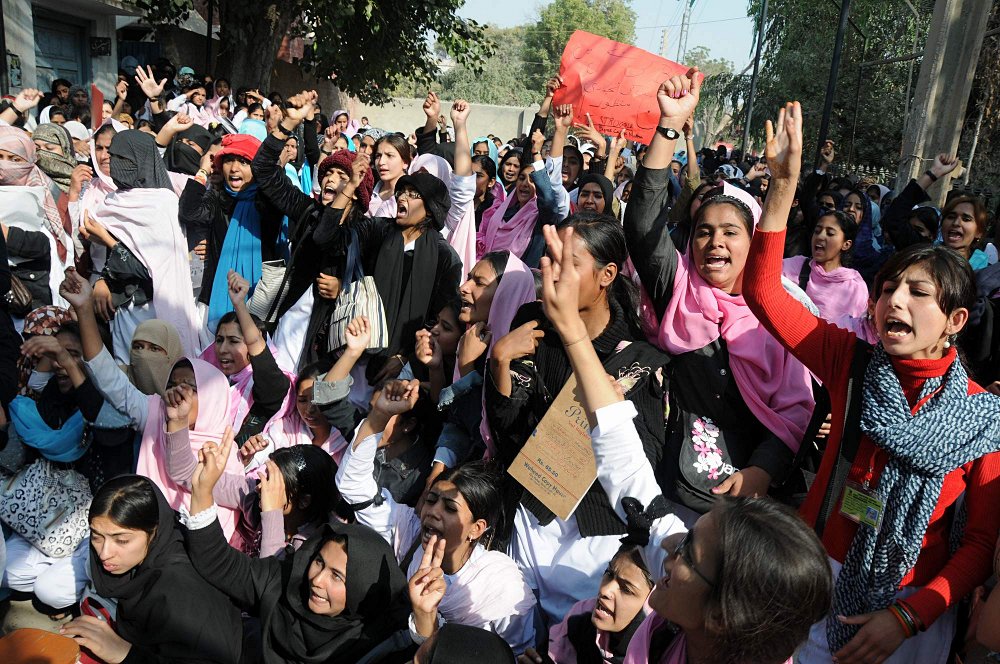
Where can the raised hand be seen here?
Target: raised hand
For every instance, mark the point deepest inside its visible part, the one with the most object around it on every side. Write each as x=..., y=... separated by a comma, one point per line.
x=300, y=106
x=76, y=290
x=330, y=135
x=179, y=122
x=784, y=143
x=944, y=164
x=473, y=343
x=460, y=112
x=552, y=85
x=678, y=96
x=256, y=443
x=45, y=346
x=427, y=350
x=537, y=141
x=827, y=152
x=178, y=403
x=427, y=587
x=212, y=460
x=361, y=165
x=147, y=83
x=271, y=486
x=27, y=99
x=121, y=89
x=358, y=334
x=398, y=397
x=432, y=105
x=561, y=299
x=590, y=132
x=104, y=304
x=564, y=116
x=81, y=174
x=519, y=342
x=688, y=128
x=238, y=288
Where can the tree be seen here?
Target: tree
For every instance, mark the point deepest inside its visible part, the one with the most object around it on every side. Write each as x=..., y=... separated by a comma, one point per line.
x=795, y=64
x=502, y=80
x=545, y=40
x=715, y=111
x=369, y=46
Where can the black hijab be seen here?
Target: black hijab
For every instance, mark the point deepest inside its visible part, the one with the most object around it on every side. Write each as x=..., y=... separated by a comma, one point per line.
x=136, y=163
x=459, y=644
x=377, y=603
x=433, y=192
x=164, y=605
x=181, y=157
x=607, y=189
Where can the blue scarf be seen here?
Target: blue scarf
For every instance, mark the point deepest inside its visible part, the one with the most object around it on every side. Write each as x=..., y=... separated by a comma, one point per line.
x=63, y=445
x=951, y=429
x=240, y=252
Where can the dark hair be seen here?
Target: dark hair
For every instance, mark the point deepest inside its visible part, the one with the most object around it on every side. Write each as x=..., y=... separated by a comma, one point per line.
x=399, y=143
x=223, y=79
x=56, y=110
x=765, y=550
x=634, y=553
x=497, y=261
x=103, y=129
x=256, y=106
x=605, y=240
x=71, y=327
x=951, y=272
x=344, y=113
x=56, y=82
x=979, y=212
x=129, y=501
x=698, y=191
x=487, y=164
x=845, y=221
x=513, y=152
x=311, y=371
x=717, y=196
x=309, y=471
x=927, y=216
x=479, y=484
x=231, y=317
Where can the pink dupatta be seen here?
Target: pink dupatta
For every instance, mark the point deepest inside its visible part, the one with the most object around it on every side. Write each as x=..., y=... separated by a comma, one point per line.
x=514, y=235
x=213, y=404
x=775, y=386
x=841, y=292
x=516, y=288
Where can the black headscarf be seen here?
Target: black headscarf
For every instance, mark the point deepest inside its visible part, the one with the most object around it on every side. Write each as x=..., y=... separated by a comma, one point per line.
x=377, y=603
x=164, y=605
x=181, y=157
x=136, y=163
x=607, y=188
x=434, y=193
x=459, y=644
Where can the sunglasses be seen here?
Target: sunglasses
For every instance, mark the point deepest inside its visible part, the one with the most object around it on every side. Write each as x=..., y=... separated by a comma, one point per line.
x=683, y=551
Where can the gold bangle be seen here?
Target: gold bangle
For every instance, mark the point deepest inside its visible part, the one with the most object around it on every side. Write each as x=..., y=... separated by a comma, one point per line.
x=585, y=337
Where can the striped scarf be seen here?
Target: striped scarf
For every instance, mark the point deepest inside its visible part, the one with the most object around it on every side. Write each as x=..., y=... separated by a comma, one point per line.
x=951, y=429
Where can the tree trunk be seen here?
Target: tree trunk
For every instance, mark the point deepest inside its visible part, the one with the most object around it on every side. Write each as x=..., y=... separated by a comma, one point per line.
x=250, y=35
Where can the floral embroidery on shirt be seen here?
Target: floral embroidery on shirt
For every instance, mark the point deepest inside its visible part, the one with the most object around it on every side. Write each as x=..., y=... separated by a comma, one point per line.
x=704, y=433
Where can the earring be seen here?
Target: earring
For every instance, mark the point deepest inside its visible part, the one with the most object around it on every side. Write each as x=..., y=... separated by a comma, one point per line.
x=947, y=344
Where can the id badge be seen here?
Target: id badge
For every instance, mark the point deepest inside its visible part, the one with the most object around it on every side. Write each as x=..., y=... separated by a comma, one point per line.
x=862, y=506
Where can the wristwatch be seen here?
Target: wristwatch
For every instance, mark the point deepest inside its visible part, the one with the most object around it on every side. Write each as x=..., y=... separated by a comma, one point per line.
x=668, y=133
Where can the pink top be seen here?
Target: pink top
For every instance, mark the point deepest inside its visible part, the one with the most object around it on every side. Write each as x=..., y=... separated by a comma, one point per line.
x=638, y=647
x=840, y=292
x=561, y=650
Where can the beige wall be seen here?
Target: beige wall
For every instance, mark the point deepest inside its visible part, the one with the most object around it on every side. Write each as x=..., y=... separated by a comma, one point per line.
x=407, y=114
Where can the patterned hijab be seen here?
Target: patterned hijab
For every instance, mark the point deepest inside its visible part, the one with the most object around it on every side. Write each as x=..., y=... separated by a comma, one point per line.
x=47, y=320
x=59, y=167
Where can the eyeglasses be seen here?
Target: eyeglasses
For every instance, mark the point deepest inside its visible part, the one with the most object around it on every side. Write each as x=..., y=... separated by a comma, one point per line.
x=409, y=193
x=683, y=551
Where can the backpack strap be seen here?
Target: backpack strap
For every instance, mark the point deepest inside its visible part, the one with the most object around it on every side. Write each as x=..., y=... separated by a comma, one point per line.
x=804, y=275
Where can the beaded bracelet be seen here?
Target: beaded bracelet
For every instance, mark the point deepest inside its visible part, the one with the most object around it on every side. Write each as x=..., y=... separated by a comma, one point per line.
x=908, y=628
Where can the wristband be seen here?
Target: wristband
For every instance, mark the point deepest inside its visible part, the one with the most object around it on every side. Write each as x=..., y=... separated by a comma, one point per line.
x=897, y=613
x=281, y=130
x=933, y=177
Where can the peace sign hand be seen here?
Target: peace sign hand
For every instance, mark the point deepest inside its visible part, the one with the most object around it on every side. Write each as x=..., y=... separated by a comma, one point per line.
x=427, y=587
x=212, y=460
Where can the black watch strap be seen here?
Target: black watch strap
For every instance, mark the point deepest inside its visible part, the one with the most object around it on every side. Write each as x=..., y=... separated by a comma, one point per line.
x=668, y=133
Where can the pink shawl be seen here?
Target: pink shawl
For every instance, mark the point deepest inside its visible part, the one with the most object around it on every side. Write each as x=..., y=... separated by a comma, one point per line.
x=561, y=650
x=516, y=288
x=291, y=430
x=100, y=186
x=842, y=292
x=146, y=221
x=213, y=403
x=514, y=235
x=775, y=386
x=241, y=401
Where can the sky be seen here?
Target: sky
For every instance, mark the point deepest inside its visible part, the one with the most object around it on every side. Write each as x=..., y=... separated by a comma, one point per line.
x=721, y=26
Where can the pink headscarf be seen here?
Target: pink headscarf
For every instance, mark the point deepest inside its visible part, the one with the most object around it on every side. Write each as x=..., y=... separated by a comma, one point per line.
x=241, y=401
x=516, y=288
x=514, y=235
x=638, y=647
x=775, y=386
x=213, y=404
x=291, y=430
x=28, y=174
x=841, y=292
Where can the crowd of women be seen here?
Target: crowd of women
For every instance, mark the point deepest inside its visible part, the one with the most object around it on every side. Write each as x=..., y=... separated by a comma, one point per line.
x=264, y=373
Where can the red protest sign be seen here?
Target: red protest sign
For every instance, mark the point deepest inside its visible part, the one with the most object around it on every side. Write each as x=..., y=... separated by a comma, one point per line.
x=96, y=107
x=616, y=83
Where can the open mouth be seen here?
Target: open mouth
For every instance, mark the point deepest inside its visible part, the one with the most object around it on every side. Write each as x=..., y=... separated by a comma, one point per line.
x=896, y=329
x=329, y=192
x=715, y=262
x=316, y=598
x=601, y=610
x=954, y=235
x=428, y=531
x=110, y=567
x=235, y=181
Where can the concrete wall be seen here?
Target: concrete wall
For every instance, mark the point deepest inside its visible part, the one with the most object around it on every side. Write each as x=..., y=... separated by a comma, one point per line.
x=100, y=21
x=408, y=114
